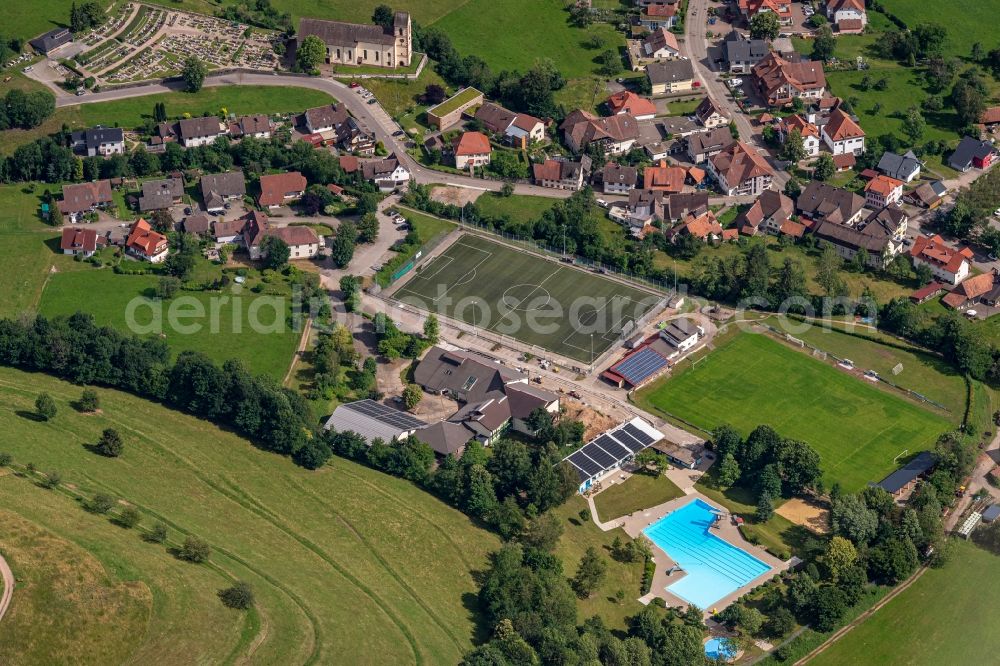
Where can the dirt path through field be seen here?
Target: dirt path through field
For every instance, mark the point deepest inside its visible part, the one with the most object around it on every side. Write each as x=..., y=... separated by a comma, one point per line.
x=8, y=586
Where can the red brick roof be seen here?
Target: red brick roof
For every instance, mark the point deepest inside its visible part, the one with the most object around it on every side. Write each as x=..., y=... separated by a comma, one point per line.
x=295, y=235
x=991, y=115
x=627, y=101
x=934, y=251
x=663, y=177
x=349, y=163
x=472, y=143
x=79, y=240
x=143, y=239
x=973, y=287
x=844, y=161
x=883, y=185
x=739, y=162
x=274, y=187
x=841, y=126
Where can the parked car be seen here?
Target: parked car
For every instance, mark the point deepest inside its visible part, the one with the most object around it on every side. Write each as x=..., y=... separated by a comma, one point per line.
x=696, y=84
x=735, y=83
x=355, y=84
x=602, y=203
x=372, y=100
x=399, y=133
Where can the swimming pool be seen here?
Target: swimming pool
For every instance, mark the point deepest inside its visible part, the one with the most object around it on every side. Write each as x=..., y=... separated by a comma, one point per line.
x=713, y=568
x=717, y=648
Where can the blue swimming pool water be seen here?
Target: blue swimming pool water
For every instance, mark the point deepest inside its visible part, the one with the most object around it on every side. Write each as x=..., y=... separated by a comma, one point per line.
x=715, y=648
x=713, y=568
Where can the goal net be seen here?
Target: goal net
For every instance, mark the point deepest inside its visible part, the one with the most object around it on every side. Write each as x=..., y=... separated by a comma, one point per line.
x=794, y=340
x=820, y=354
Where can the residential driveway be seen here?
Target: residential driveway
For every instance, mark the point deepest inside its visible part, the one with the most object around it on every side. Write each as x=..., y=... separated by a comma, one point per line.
x=366, y=255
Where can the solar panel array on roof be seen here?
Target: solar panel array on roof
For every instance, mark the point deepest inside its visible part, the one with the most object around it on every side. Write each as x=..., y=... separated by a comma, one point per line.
x=641, y=365
x=386, y=414
x=643, y=438
x=600, y=454
x=614, y=446
x=586, y=467
x=628, y=440
x=608, y=450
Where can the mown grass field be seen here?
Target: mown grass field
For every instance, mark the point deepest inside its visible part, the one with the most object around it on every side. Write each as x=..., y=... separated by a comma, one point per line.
x=25, y=250
x=967, y=21
x=752, y=380
x=946, y=617
x=513, y=34
x=922, y=372
x=638, y=492
x=346, y=563
x=627, y=577
x=65, y=600
x=231, y=333
x=135, y=111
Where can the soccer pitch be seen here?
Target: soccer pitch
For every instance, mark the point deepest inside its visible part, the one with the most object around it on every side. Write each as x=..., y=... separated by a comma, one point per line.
x=551, y=305
x=753, y=380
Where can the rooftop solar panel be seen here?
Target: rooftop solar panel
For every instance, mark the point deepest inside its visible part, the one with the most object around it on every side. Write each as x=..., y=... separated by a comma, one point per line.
x=616, y=448
x=585, y=463
x=386, y=414
x=599, y=455
x=638, y=434
x=640, y=366
x=628, y=440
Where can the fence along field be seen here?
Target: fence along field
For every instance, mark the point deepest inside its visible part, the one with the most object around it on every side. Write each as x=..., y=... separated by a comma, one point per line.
x=750, y=380
x=539, y=302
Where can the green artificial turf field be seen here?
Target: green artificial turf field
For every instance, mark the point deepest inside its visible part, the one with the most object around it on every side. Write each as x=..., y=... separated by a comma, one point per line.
x=539, y=302
x=946, y=617
x=752, y=380
x=346, y=563
x=107, y=295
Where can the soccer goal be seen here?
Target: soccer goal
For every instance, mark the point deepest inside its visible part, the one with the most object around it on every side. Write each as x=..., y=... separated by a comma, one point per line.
x=794, y=340
x=898, y=368
x=820, y=354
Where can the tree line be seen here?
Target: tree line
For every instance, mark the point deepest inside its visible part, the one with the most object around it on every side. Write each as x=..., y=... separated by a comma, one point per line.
x=255, y=406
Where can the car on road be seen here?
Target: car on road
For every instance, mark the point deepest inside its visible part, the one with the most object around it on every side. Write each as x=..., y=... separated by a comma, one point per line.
x=574, y=394
x=354, y=84
x=399, y=133
x=602, y=203
x=566, y=260
x=28, y=69
x=372, y=100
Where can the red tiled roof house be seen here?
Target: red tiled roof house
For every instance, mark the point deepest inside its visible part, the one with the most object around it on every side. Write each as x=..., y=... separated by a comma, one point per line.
x=145, y=244
x=277, y=189
x=78, y=242
x=947, y=264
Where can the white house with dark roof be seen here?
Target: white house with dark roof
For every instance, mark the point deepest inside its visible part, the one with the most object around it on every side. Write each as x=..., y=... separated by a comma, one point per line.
x=194, y=132
x=99, y=141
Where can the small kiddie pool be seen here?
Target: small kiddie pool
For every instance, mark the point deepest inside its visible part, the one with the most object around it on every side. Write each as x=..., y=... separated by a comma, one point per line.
x=716, y=648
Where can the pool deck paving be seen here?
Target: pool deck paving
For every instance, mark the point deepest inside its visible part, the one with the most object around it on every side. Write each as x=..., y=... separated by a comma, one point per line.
x=636, y=522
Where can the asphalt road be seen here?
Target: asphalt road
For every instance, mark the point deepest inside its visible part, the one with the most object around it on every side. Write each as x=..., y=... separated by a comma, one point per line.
x=695, y=46
x=372, y=116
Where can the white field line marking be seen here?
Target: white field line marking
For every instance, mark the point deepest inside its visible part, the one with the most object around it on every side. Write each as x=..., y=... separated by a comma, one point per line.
x=526, y=298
